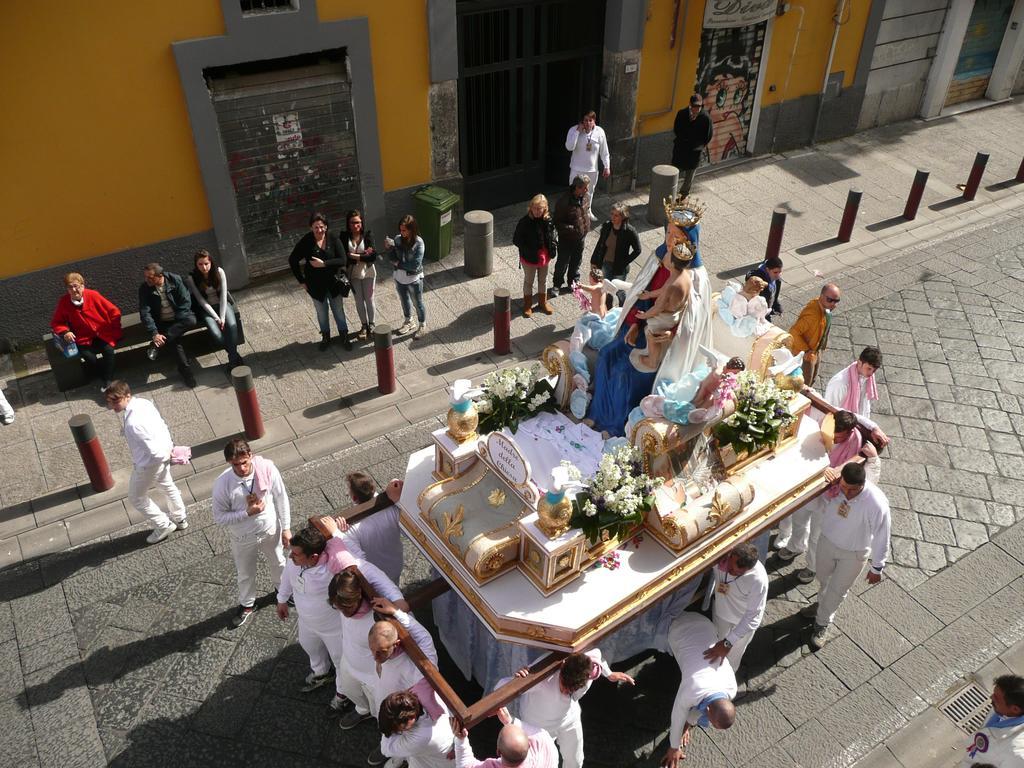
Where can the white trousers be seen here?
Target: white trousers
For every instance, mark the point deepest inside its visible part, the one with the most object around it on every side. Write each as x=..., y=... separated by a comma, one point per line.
x=723, y=628
x=838, y=570
x=245, y=552
x=323, y=648
x=800, y=531
x=5, y=407
x=144, y=478
x=569, y=736
x=359, y=692
x=594, y=176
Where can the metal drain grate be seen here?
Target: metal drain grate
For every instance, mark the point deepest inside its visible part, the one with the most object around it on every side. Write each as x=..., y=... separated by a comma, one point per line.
x=968, y=708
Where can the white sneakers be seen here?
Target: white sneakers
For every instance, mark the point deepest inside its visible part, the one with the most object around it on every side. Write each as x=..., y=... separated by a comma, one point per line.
x=159, y=534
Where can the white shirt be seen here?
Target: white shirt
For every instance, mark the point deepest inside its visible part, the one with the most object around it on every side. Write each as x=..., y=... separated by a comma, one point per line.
x=584, y=159
x=149, y=440
x=546, y=706
x=309, y=587
x=836, y=391
x=425, y=745
x=355, y=645
x=743, y=600
x=381, y=540
x=688, y=637
x=865, y=524
x=229, y=505
x=400, y=673
x=999, y=742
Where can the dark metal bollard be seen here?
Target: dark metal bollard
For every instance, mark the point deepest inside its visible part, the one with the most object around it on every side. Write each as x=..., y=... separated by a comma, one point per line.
x=1020, y=172
x=916, y=193
x=775, y=233
x=977, y=171
x=849, y=215
x=385, y=352
x=502, y=322
x=91, y=452
x=248, y=403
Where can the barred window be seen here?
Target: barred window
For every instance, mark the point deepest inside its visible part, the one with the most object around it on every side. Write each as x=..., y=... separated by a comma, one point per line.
x=256, y=7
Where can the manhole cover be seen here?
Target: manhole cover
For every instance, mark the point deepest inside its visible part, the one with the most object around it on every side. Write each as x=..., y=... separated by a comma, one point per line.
x=968, y=708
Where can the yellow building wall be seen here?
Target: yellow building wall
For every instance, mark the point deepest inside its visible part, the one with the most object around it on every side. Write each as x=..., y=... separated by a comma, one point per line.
x=97, y=151
x=795, y=64
x=401, y=76
x=97, y=148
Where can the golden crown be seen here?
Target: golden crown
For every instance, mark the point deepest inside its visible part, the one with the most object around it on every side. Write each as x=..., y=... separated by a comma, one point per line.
x=684, y=211
x=683, y=250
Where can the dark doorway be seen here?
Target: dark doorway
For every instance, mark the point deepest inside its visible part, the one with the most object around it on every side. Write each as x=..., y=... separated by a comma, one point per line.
x=527, y=71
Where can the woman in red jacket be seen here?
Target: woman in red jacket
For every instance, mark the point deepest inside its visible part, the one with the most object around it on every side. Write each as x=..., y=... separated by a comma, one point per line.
x=92, y=322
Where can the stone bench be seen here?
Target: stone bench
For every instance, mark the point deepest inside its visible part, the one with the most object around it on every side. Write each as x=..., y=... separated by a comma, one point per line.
x=70, y=372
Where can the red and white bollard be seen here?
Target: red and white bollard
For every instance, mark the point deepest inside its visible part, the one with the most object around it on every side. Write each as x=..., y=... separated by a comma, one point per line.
x=849, y=215
x=502, y=321
x=775, y=233
x=91, y=451
x=248, y=403
x=916, y=193
x=384, y=350
x=977, y=171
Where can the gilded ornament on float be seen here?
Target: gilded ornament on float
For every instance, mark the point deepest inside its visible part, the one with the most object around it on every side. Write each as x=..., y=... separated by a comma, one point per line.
x=554, y=511
x=462, y=423
x=496, y=497
x=453, y=522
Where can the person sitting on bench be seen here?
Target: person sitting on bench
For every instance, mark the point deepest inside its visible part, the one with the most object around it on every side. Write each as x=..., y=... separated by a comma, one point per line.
x=90, y=321
x=165, y=308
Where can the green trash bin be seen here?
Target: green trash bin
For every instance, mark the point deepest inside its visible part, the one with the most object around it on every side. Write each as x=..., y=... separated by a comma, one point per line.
x=433, y=206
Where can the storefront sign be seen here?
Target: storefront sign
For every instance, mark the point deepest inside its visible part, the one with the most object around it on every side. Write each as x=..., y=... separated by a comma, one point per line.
x=722, y=14
x=507, y=460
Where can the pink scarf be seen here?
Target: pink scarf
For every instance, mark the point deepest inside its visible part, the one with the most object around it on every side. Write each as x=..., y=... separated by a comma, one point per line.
x=432, y=705
x=263, y=471
x=842, y=453
x=852, y=401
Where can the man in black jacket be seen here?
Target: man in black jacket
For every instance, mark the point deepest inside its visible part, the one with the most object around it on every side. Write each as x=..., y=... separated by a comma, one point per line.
x=770, y=270
x=693, y=132
x=165, y=308
x=572, y=220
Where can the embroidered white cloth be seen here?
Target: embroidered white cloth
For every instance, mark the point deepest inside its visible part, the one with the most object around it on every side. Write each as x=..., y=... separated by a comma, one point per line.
x=548, y=438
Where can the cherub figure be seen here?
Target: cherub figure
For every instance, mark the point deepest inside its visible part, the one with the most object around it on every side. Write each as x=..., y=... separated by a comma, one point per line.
x=670, y=303
x=743, y=309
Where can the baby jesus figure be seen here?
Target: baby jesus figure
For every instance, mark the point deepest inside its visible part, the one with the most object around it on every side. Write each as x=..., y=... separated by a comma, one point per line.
x=663, y=318
x=716, y=390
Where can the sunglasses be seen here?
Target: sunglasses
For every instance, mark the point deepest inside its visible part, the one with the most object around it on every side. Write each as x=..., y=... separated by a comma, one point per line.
x=830, y=300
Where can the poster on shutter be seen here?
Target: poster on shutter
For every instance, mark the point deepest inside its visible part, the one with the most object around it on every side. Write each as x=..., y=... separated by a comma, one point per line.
x=724, y=14
x=726, y=78
x=288, y=133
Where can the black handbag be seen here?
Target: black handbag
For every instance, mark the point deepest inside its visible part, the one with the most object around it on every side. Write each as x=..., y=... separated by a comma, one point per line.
x=342, y=284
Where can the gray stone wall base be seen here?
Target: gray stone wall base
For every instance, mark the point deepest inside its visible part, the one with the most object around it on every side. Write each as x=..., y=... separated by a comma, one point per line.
x=444, y=129
x=891, y=105
x=29, y=299
x=618, y=112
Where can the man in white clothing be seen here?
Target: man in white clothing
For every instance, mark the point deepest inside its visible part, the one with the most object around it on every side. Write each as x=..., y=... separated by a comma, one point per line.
x=854, y=388
x=6, y=411
x=587, y=143
x=149, y=442
x=799, y=532
x=739, y=584
x=408, y=731
x=554, y=704
x=250, y=501
x=520, y=745
x=854, y=527
x=1000, y=741
x=706, y=690
x=318, y=553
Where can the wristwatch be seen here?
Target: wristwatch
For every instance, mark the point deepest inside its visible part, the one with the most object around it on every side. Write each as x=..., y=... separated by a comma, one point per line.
x=727, y=644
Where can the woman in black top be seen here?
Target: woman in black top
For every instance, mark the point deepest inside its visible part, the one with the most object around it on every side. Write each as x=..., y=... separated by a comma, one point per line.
x=618, y=245
x=323, y=256
x=537, y=241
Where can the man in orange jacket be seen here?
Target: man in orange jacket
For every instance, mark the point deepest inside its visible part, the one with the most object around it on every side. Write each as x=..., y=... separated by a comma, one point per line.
x=809, y=333
x=92, y=322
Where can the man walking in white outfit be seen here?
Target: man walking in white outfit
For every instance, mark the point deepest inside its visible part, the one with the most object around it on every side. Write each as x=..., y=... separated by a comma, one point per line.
x=739, y=584
x=149, y=442
x=588, y=143
x=854, y=527
x=854, y=389
x=706, y=689
x=250, y=501
x=554, y=704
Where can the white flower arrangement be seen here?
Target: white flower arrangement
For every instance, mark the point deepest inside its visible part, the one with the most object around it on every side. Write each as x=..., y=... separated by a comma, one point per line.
x=762, y=413
x=616, y=498
x=511, y=395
